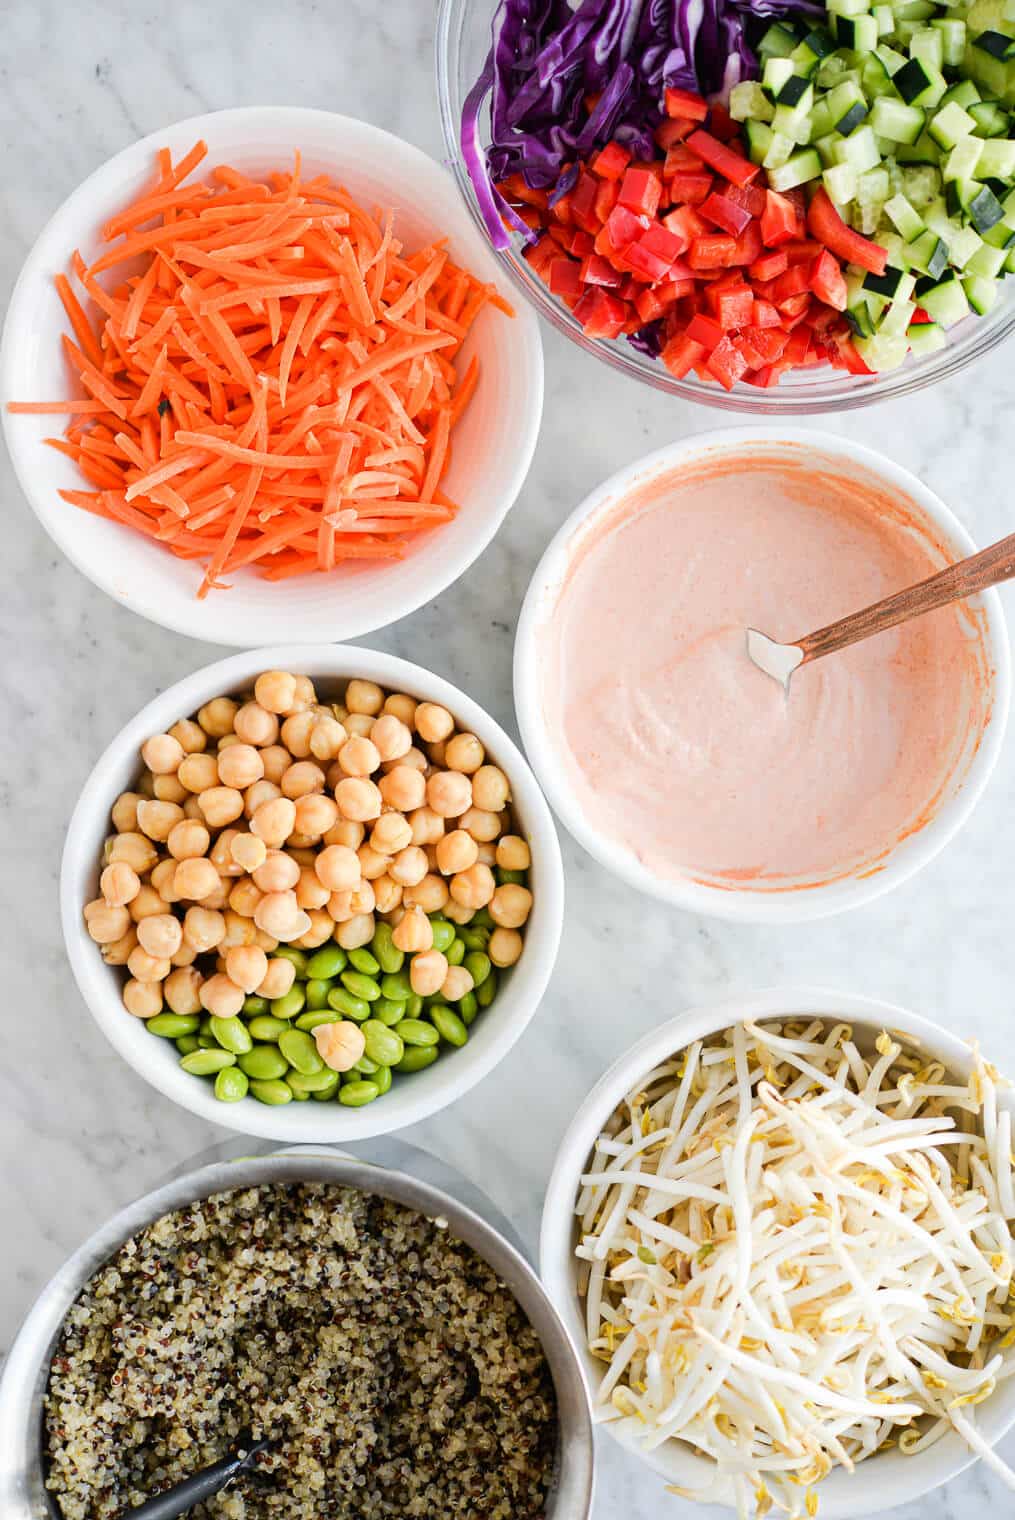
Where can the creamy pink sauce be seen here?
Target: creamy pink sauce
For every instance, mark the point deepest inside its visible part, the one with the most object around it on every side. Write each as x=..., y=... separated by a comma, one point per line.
x=681, y=750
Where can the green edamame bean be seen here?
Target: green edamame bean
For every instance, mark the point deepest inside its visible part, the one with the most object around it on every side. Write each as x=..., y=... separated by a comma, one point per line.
x=443, y=934
x=272, y=1093
x=456, y=951
x=362, y=960
x=255, y=1007
x=481, y=920
x=204, y=1063
x=414, y=1006
x=205, y=1027
x=315, y=1017
x=232, y=1034
x=365, y=1067
x=504, y=876
x=264, y=1027
x=172, y=1026
x=396, y=986
x=207, y=1042
x=325, y=1094
x=265, y=1063
x=382, y=1081
x=416, y=1032
x=389, y=1011
x=326, y=963
x=468, y=1007
x=311, y=1084
x=300, y=1051
x=316, y=992
x=448, y=1025
x=231, y=1085
x=383, y=1045
x=291, y=953
x=290, y=1004
x=186, y=1043
x=343, y=1002
x=478, y=966
x=474, y=939
x=418, y=1058
x=488, y=991
x=389, y=957
x=356, y=1094
x=361, y=986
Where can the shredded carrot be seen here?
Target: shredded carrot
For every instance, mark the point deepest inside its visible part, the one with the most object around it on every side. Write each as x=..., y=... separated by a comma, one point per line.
x=274, y=386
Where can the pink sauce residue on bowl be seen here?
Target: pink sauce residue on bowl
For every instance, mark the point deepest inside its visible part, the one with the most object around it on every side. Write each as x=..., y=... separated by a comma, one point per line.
x=681, y=751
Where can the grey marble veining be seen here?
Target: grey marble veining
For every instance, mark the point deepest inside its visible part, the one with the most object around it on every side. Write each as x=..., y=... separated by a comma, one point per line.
x=80, y=1133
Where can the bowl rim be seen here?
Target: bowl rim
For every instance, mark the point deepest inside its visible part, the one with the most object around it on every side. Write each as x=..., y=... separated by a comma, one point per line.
x=313, y=1122
x=522, y=333
x=822, y=396
x=740, y=904
x=941, y=1462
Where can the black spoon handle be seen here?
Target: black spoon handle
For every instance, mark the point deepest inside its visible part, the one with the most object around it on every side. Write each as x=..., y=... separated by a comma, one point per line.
x=176, y=1501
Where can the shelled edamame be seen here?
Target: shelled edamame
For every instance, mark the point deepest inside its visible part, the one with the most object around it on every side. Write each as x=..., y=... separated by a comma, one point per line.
x=312, y=900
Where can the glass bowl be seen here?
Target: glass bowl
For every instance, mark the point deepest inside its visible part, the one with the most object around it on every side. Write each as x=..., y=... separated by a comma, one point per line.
x=462, y=43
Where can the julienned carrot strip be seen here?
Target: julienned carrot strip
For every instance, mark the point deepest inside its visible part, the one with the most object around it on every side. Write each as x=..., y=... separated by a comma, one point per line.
x=78, y=320
x=47, y=408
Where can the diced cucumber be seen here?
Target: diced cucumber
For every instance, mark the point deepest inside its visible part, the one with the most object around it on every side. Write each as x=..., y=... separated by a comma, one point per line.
x=999, y=236
x=1009, y=264
x=780, y=150
x=963, y=245
x=840, y=182
x=897, y=318
x=904, y=217
x=929, y=253
x=987, y=262
x=946, y=301
x=950, y=125
x=859, y=149
x=919, y=84
x=977, y=203
x=921, y=184
x=797, y=92
x=964, y=93
x=928, y=46
x=990, y=118
x=997, y=44
x=980, y=293
x=895, y=121
x=891, y=284
x=848, y=7
x=926, y=338
x=759, y=137
x=788, y=121
x=880, y=353
x=953, y=41
x=797, y=170
x=846, y=106
x=962, y=160
x=748, y=102
x=892, y=60
x=997, y=159
x=775, y=74
x=912, y=10
x=875, y=77
x=826, y=147
x=924, y=151
x=821, y=119
x=895, y=247
x=778, y=42
x=885, y=18
x=874, y=187
x=857, y=32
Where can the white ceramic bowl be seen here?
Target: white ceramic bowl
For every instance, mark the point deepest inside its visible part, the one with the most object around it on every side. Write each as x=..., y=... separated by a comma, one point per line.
x=883, y=1481
x=757, y=903
x=493, y=444
x=410, y=1100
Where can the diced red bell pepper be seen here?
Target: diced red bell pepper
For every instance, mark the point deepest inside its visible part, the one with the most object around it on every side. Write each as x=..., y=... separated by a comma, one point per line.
x=663, y=242
x=751, y=197
x=640, y=191
x=779, y=220
x=765, y=314
x=726, y=363
x=606, y=198
x=795, y=280
x=624, y=227
x=686, y=223
x=690, y=189
x=650, y=265
x=611, y=161
x=668, y=133
x=920, y=316
x=601, y=314
x=682, y=354
x=514, y=188
x=530, y=216
x=828, y=281
x=801, y=250
x=732, y=166
x=595, y=270
x=539, y=256
x=652, y=303
x=851, y=360
x=732, y=308
x=824, y=321
x=705, y=330
x=680, y=160
x=721, y=123
x=582, y=200
x=798, y=345
x=770, y=344
x=712, y=251
x=565, y=278
x=827, y=226
x=769, y=266
x=749, y=244
x=794, y=309
x=685, y=103
x=723, y=213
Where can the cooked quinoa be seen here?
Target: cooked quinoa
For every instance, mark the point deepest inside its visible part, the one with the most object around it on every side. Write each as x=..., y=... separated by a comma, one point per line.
x=398, y=1371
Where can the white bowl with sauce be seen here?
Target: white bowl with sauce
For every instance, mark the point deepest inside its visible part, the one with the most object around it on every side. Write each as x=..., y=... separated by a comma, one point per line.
x=785, y=811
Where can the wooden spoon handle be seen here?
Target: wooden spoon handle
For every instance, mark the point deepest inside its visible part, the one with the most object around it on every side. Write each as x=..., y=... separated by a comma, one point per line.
x=989, y=567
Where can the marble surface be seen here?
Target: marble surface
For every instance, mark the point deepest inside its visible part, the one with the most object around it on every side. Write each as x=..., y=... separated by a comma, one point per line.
x=79, y=1133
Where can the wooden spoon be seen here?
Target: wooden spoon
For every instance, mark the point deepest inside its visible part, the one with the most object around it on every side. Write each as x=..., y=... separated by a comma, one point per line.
x=987, y=568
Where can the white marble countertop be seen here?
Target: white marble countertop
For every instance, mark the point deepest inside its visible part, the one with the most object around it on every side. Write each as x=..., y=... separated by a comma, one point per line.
x=80, y=1134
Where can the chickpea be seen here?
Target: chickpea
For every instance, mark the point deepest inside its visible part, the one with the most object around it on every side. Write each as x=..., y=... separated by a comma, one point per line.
x=338, y=868
x=192, y=808
x=456, y=984
x=221, y=854
x=188, y=840
x=358, y=799
x=221, y=805
x=274, y=821
x=346, y=831
x=358, y=724
x=244, y=897
x=169, y=789
x=257, y=795
x=427, y=972
x=181, y=988
x=146, y=902
x=278, y=979
x=238, y=930
x=311, y=893
x=326, y=737
x=247, y=851
x=340, y=1045
x=436, y=753
x=296, y=731
x=246, y=965
x=221, y=996
x=364, y=697
x=427, y=826
x=240, y=765
x=119, y=884
x=132, y=850
x=145, y=967
x=456, y=852
x=356, y=931
x=142, y=999
x=390, y=834
x=510, y=906
x=118, y=953
x=464, y=753
x=106, y=922
x=198, y=773
x=513, y=854
x=162, y=754
x=219, y=897
x=475, y=887
x=156, y=819
x=456, y=913
x=430, y=894
x=339, y=906
x=276, y=760
x=408, y=867
x=362, y=899
x=217, y=717
x=160, y=935
x=195, y=880
x=433, y=722
x=315, y=815
x=124, y=813
x=302, y=779
x=359, y=757
x=403, y=788
x=505, y=947
x=203, y=928
x=163, y=879
x=430, y=851
x=255, y=725
x=322, y=927
x=146, y=784
x=371, y=862
x=490, y=789
x=275, y=691
x=265, y=942
x=401, y=707
x=390, y=737
x=280, y=914
x=387, y=894
x=484, y=827
x=190, y=736
x=185, y=956
x=278, y=873
x=449, y=794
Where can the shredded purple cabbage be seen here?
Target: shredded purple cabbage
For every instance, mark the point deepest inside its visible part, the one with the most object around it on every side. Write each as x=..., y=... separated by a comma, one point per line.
x=548, y=55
